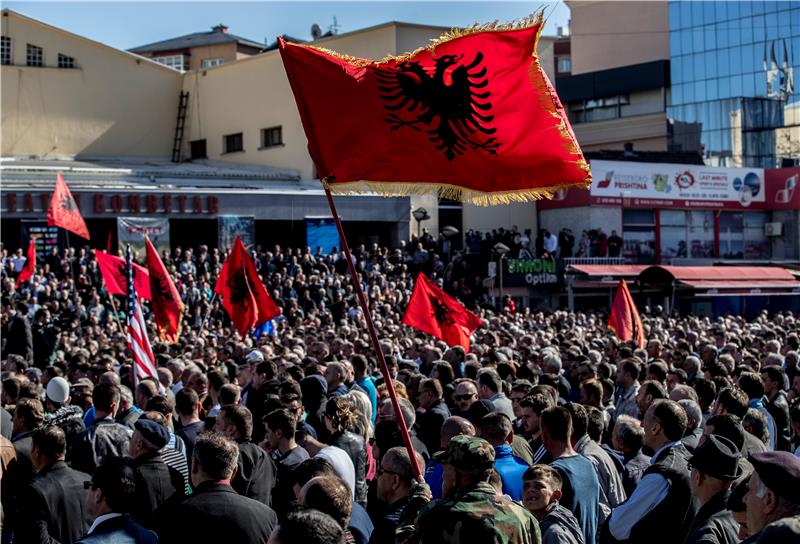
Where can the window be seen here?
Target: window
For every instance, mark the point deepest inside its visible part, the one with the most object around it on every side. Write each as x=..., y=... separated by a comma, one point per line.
x=173, y=61
x=639, y=235
x=5, y=50
x=208, y=63
x=35, y=56
x=198, y=149
x=687, y=234
x=233, y=143
x=271, y=137
x=564, y=65
x=66, y=62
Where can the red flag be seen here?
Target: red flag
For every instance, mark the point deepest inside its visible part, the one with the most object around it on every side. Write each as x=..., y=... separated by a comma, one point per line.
x=624, y=319
x=433, y=311
x=30, y=264
x=167, y=304
x=64, y=211
x=113, y=270
x=243, y=294
x=471, y=117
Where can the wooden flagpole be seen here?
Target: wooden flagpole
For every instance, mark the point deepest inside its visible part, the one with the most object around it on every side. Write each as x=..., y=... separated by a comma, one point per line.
x=362, y=300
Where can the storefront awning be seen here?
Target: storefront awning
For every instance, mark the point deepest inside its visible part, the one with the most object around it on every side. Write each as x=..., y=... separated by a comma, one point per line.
x=724, y=273
x=612, y=270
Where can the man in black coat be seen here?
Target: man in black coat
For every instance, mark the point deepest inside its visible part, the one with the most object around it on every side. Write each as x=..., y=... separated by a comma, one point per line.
x=215, y=512
x=156, y=482
x=28, y=415
x=110, y=498
x=255, y=471
x=18, y=335
x=715, y=465
x=777, y=405
x=436, y=413
x=55, y=501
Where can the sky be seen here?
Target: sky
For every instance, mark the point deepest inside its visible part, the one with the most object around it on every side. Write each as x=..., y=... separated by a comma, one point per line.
x=129, y=24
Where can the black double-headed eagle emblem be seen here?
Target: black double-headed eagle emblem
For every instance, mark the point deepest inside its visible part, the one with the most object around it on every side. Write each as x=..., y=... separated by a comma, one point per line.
x=446, y=101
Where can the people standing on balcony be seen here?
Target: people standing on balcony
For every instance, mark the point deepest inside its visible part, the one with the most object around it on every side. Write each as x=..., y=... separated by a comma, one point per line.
x=615, y=244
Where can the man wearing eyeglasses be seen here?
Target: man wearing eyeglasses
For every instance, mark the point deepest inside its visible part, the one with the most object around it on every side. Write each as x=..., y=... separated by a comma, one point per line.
x=395, y=477
x=110, y=497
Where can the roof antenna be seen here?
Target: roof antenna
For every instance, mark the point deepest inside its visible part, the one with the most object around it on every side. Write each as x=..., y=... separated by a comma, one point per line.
x=335, y=26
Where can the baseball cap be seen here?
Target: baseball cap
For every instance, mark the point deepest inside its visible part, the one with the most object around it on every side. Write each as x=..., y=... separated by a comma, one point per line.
x=58, y=390
x=468, y=454
x=254, y=357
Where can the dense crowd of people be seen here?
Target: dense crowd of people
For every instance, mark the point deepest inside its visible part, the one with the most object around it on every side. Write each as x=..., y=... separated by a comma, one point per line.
x=549, y=429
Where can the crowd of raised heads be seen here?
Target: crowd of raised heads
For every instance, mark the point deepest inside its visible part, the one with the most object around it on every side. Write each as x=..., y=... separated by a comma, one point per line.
x=548, y=429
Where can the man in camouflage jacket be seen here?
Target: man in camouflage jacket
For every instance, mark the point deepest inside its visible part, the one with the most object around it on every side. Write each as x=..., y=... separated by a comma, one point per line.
x=471, y=510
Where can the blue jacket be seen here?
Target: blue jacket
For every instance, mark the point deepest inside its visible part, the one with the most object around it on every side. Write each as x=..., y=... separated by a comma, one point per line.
x=510, y=468
x=119, y=530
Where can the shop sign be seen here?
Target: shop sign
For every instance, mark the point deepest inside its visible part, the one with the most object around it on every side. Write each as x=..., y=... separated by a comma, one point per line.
x=534, y=272
x=116, y=203
x=649, y=185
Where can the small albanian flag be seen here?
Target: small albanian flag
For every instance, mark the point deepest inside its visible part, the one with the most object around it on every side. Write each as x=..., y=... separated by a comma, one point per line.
x=114, y=275
x=244, y=297
x=64, y=212
x=433, y=311
x=624, y=319
x=167, y=303
x=471, y=117
x=30, y=265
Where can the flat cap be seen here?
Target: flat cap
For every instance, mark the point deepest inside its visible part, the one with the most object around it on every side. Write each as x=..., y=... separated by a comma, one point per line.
x=153, y=432
x=780, y=472
x=468, y=454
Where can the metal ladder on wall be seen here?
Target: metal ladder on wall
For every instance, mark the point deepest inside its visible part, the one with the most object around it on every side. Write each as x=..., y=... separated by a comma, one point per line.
x=180, y=123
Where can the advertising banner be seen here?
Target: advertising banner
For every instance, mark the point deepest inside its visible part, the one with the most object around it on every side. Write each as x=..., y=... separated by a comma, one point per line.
x=783, y=192
x=321, y=232
x=131, y=230
x=45, y=237
x=231, y=226
x=653, y=185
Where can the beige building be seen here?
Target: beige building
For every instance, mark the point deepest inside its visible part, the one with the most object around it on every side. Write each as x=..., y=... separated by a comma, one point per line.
x=619, y=87
x=200, y=49
x=107, y=103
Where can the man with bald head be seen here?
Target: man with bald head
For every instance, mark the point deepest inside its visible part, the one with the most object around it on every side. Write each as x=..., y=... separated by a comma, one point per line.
x=465, y=395
x=453, y=426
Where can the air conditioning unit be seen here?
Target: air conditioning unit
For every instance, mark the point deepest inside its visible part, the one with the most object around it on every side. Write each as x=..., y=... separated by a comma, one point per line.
x=773, y=229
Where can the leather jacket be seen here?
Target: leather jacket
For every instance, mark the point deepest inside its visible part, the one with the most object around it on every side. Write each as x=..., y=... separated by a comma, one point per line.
x=353, y=444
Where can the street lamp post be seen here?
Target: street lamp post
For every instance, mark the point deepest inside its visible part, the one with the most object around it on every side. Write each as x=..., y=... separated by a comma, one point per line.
x=449, y=232
x=501, y=249
x=420, y=214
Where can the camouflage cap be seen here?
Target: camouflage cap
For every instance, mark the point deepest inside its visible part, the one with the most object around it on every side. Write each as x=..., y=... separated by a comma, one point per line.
x=468, y=454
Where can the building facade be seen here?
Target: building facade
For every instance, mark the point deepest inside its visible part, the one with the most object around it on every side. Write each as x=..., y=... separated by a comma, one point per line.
x=107, y=108
x=733, y=67
x=618, y=90
x=200, y=50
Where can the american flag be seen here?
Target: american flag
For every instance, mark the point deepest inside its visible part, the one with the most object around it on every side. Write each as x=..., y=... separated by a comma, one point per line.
x=144, y=361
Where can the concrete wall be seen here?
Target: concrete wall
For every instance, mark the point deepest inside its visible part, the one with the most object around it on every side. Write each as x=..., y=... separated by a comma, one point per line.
x=600, y=41
x=647, y=132
x=581, y=218
x=113, y=104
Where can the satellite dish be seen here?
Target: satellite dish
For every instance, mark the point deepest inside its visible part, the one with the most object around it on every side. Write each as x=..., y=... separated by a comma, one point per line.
x=316, y=31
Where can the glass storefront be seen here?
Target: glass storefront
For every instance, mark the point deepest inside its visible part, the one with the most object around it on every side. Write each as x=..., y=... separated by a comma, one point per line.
x=687, y=234
x=741, y=235
x=639, y=235
x=674, y=235
x=733, y=93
